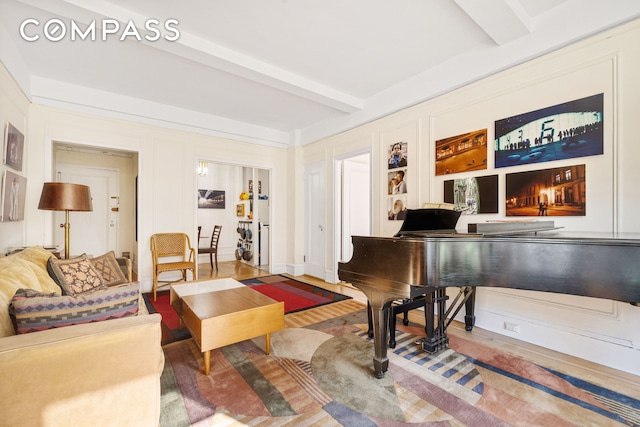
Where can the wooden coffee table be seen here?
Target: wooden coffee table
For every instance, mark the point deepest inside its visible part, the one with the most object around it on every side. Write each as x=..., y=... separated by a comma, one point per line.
x=223, y=312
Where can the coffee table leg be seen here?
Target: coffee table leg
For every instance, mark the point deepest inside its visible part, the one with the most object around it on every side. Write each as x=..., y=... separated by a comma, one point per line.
x=268, y=346
x=207, y=361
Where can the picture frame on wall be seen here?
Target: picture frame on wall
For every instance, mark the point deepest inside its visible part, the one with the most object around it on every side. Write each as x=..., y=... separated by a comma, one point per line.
x=557, y=191
x=211, y=199
x=240, y=209
x=14, y=191
x=473, y=195
x=563, y=131
x=462, y=153
x=13, y=147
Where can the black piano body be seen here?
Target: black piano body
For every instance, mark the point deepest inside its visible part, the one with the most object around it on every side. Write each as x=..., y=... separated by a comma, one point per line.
x=599, y=265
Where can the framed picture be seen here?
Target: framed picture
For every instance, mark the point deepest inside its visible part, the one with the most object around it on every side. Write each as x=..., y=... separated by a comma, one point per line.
x=473, y=195
x=397, y=155
x=14, y=190
x=240, y=210
x=211, y=199
x=564, y=131
x=548, y=192
x=462, y=153
x=13, y=147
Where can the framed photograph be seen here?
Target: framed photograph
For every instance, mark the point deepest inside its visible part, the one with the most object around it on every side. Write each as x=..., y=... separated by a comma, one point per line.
x=240, y=210
x=547, y=192
x=473, y=195
x=396, y=181
x=211, y=199
x=397, y=208
x=397, y=154
x=13, y=147
x=14, y=191
x=564, y=131
x=462, y=153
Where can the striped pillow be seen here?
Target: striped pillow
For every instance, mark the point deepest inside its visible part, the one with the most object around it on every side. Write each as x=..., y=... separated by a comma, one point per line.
x=35, y=311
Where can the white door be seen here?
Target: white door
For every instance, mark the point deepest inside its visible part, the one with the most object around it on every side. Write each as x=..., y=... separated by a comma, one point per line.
x=315, y=220
x=96, y=232
x=356, y=202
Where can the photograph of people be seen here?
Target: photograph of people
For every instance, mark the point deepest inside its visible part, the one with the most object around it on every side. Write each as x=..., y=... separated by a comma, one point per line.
x=396, y=182
x=398, y=155
x=13, y=196
x=397, y=208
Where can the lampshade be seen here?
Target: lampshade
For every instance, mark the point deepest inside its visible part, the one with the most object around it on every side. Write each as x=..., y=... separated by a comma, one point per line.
x=62, y=196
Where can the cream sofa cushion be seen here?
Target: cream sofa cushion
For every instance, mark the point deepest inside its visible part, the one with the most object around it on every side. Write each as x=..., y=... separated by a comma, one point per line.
x=26, y=269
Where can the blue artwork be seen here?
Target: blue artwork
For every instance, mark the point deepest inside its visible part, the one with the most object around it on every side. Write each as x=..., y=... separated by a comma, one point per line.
x=563, y=131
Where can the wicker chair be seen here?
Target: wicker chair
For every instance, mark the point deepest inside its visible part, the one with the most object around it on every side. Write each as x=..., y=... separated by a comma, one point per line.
x=213, y=246
x=172, y=245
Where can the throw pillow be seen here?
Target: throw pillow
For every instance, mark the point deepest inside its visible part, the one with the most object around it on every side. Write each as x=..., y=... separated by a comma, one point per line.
x=75, y=276
x=107, y=266
x=33, y=311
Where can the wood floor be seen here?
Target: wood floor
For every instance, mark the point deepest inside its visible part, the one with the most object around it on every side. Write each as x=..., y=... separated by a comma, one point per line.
x=619, y=381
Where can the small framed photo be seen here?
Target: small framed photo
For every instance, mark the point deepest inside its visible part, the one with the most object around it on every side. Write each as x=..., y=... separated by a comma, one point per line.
x=13, y=147
x=14, y=191
x=240, y=210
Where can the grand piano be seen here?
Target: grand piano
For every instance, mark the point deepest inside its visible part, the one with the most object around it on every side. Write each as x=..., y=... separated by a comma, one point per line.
x=425, y=262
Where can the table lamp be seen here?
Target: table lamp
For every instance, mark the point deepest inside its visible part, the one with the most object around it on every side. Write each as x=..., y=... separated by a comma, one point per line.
x=62, y=196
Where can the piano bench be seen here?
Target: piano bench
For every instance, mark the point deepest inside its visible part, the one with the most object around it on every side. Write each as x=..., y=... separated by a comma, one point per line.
x=402, y=307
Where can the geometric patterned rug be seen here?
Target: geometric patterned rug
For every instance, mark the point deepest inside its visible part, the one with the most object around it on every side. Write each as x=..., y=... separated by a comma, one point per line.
x=320, y=372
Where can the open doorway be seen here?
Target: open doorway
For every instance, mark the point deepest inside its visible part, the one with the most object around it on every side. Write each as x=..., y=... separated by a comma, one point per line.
x=237, y=198
x=110, y=174
x=352, y=203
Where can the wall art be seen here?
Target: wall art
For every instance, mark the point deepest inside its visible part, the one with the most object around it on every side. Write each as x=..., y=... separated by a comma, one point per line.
x=473, y=195
x=211, y=199
x=397, y=208
x=547, y=192
x=14, y=191
x=397, y=181
x=564, y=131
x=13, y=147
x=397, y=153
x=462, y=153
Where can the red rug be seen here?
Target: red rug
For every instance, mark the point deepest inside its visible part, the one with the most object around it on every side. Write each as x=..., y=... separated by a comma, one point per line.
x=296, y=295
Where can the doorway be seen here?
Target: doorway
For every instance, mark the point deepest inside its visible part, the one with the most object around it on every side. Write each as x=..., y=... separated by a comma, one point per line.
x=111, y=175
x=227, y=183
x=315, y=220
x=352, y=203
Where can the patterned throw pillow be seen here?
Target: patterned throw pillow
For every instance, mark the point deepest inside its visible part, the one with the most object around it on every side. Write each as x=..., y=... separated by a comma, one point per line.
x=107, y=266
x=33, y=311
x=75, y=276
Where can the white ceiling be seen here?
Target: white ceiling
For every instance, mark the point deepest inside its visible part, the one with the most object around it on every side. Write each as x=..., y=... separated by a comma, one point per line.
x=283, y=72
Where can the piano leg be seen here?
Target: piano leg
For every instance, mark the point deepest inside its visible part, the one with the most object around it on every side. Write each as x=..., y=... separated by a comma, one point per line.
x=469, y=306
x=378, y=308
x=436, y=338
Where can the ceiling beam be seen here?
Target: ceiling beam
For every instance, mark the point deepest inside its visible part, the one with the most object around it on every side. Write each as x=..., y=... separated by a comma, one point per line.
x=208, y=53
x=502, y=20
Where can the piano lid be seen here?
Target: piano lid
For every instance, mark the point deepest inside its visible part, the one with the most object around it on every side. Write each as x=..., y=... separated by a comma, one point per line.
x=432, y=220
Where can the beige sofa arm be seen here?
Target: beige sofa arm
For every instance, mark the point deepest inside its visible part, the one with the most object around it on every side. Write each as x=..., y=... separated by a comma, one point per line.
x=105, y=373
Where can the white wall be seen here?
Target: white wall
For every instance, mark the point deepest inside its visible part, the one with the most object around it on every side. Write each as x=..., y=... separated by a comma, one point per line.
x=167, y=177
x=14, y=108
x=599, y=330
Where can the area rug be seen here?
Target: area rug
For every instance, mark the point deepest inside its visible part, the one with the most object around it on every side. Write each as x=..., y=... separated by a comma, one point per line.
x=320, y=372
x=296, y=296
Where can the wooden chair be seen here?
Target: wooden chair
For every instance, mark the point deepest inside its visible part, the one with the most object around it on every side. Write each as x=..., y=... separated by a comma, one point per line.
x=172, y=245
x=213, y=246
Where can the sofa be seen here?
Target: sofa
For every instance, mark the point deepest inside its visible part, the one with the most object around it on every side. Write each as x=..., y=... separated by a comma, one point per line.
x=101, y=373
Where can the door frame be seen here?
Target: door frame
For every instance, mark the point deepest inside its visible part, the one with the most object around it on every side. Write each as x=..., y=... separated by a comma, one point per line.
x=318, y=203
x=138, y=262
x=337, y=203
